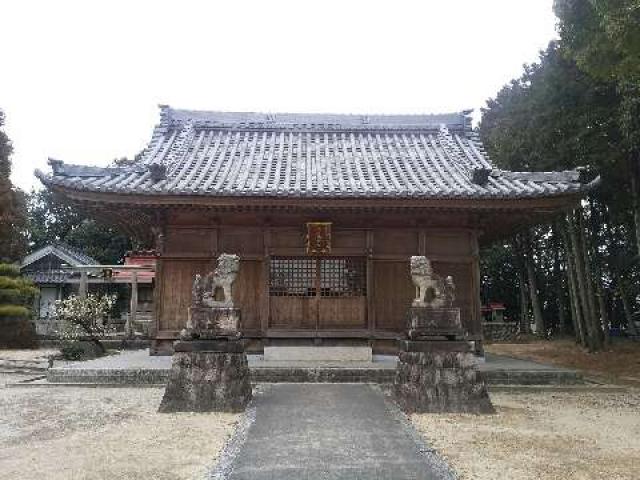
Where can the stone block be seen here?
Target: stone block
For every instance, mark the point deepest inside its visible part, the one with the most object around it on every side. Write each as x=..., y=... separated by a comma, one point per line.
x=440, y=380
x=214, y=379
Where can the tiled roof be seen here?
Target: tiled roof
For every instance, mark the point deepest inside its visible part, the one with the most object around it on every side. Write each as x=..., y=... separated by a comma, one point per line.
x=301, y=156
x=63, y=251
x=51, y=276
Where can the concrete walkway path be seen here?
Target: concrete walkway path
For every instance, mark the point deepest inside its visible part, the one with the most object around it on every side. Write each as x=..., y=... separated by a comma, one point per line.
x=329, y=432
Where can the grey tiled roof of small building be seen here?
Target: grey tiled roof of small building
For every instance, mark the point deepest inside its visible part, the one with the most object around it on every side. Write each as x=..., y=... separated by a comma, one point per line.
x=61, y=250
x=313, y=155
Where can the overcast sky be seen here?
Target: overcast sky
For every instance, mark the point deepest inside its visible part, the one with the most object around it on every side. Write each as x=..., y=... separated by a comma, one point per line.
x=81, y=80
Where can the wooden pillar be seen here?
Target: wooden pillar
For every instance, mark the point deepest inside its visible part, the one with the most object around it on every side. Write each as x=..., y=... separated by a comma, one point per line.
x=371, y=319
x=265, y=305
x=134, y=304
x=476, y=300
x=84, y=284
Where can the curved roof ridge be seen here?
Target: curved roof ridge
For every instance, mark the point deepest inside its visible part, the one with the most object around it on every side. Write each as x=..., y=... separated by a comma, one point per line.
x=170, y=116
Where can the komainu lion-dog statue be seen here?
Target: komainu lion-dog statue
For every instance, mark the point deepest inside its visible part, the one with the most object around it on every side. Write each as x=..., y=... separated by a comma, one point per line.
x=204, y=288
x=431, y=289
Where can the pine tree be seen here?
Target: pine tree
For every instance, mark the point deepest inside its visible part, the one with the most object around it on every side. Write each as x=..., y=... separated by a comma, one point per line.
x=16, y=296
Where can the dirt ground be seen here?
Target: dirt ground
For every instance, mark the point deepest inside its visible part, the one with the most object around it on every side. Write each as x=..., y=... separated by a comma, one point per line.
x=543, y=436
x=619, y=364
x=58, y=433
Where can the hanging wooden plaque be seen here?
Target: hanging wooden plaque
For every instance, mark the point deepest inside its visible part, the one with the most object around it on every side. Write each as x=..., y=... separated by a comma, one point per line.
x=318, y=238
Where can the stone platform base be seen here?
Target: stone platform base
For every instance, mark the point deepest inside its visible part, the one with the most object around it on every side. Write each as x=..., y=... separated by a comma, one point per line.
x=207, y=376
x=318, y=353
x=433, y=377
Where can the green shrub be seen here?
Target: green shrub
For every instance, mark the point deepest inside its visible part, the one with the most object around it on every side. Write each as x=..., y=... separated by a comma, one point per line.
x=8, y=270
x=16, y=293
x=6, y=282
x=16, y=297
x=26, y=288
x=14, y=311
x=72, y=351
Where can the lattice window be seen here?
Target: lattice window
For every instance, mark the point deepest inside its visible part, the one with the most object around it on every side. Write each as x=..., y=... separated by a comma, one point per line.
x=292, y=277
x=337, y=276
x=343, y=277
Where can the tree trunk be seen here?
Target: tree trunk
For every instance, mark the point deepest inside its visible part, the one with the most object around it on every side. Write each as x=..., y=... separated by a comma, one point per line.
x=535, y=299
x=562, y=318
x=524, y=296
x=597, y=223
x=574, y=298
x=587, y=314
x=628, y=313
x=598, y=324
x=604, y=314
x=589, y=281
x=563, y=328
x=533, y=287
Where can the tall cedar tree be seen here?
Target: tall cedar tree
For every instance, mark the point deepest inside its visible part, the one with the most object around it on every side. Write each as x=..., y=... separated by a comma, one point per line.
x=603, y=37
x=556, y=116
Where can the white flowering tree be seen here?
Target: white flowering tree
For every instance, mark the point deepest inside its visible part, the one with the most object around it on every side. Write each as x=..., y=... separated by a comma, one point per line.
x=85, y=318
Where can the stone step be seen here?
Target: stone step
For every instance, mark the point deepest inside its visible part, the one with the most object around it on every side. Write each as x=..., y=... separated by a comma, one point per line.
x=266, y=373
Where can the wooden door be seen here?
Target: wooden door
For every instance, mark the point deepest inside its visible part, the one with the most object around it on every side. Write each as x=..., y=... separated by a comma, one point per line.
x=293, y=289
x=317, y=293
x=342, y=297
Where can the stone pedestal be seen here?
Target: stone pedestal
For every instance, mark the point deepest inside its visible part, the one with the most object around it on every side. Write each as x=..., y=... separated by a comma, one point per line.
x=207, y=376
x=213, y=323
x=440, y=376
x=426, y=321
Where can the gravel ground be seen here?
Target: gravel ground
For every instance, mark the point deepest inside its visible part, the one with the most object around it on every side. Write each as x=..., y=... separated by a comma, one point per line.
x=36, y=355
x=57, y=433
x=543, y=436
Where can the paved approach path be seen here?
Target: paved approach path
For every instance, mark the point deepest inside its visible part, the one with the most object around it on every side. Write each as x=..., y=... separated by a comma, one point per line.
x=330, y=432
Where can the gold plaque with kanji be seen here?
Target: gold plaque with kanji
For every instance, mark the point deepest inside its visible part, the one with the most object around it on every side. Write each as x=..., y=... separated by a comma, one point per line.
x=318, y=238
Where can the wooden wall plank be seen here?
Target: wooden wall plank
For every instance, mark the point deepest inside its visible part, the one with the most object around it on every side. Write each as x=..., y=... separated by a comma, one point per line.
x=396, y=241
x=455, y=243
x=175, y=297
x=189, y=241
x=248, y=293
x=394, y=292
